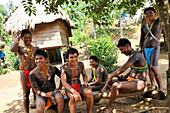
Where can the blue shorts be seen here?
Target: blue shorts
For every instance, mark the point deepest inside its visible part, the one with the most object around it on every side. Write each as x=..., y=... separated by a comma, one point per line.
x=148, y=53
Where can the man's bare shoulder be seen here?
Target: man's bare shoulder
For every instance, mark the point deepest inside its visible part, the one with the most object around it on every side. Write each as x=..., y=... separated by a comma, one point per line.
x=81, y=64
x=34, y=71
x=64, y=66
x=135, y=56
x=36, y=47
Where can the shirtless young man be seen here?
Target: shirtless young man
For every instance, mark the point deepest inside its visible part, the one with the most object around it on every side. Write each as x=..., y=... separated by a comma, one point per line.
x=99, y=74
x=135, y=78
x=70, y=78
x=150, y=41
x=42, y=81
x=27, y=63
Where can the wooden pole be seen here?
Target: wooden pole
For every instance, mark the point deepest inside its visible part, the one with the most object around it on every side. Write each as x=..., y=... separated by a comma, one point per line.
x=62, y=57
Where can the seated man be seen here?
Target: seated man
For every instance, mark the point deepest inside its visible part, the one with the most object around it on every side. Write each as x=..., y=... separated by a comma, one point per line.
x=70, y=78
x=99, y=74
x=42, y=81
x=135, y=80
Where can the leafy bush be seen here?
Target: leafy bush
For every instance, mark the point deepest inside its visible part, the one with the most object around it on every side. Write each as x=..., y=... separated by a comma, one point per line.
x=78, y=37
x=103, y=47
x=3, y=71
x=12, y=60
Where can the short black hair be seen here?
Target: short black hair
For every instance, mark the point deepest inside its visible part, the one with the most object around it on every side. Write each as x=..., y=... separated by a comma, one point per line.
x=40, y=52
x=149, y=8
x=94, y=58
x=123, y=42
x=25, y=31
x=71, y=51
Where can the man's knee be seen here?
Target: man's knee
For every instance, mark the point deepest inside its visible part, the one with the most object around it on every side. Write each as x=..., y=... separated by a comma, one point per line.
x=25, y=95
x=59, y=97
x=153, y=67
x=40, y=107
x=114, y=85
x=40, y=104
x=71, y=97
x=88, y=93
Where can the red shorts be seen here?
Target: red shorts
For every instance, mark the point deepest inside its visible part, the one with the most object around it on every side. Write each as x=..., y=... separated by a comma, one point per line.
x=27, y=72
x=76, y=87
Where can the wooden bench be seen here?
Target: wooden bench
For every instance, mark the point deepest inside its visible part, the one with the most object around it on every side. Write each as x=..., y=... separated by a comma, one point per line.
x=98, y=95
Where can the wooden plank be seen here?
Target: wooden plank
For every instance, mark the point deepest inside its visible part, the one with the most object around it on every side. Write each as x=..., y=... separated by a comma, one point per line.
x=46, y=44
x=48, y=30
x=46, y=37
x=43, y=26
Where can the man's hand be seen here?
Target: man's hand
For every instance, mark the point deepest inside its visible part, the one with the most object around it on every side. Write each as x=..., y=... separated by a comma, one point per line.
x=53, y=100
x=19, y=34
x=87, y=85
x=77, y=97
x=56, y=90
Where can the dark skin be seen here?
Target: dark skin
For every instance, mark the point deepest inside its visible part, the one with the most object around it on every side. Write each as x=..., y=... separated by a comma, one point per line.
x=70, y=74
x=37, y=77
x=150, y=42
x=100, y=72
x=22, y=53
x=135, y=59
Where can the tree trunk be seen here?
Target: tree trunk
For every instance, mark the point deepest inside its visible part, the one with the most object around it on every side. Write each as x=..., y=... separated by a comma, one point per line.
x=164, y=15
x=121, y=28
x=94, y=25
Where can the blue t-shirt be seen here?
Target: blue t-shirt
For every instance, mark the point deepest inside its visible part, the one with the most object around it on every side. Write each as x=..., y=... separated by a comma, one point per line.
x=1, y=54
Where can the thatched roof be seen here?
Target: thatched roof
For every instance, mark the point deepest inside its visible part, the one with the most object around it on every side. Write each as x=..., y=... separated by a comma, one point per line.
x=19, y=20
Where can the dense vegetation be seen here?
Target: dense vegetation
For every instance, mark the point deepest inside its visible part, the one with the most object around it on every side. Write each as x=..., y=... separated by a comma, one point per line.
x=11, y=59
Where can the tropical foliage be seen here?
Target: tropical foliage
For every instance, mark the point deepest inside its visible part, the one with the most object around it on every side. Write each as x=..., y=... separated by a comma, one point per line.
x=11, y=60
x=104, y=48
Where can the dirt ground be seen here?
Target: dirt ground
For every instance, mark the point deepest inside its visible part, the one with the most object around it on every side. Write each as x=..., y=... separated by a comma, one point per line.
x=11, y=92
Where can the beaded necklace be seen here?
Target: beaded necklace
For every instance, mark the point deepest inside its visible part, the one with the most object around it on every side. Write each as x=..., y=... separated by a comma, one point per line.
x=27, y=58
x=28, y=51
x=45, y=76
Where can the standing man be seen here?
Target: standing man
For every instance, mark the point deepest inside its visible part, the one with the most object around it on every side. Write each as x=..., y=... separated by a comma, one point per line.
x=150, y=41
x=42, y=80
x=99, y=74
x=134, y=80
x=70, y=78
x=27, y=63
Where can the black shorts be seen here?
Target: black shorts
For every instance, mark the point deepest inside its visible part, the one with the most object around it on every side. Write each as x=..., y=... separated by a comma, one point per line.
x=81, y=90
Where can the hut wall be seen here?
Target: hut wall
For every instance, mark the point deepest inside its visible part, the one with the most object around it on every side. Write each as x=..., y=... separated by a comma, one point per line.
x=63, y=32
x=49, y=34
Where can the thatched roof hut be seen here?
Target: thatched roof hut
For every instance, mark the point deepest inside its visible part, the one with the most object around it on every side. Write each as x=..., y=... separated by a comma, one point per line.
x=49, y=31
x=19, y=20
